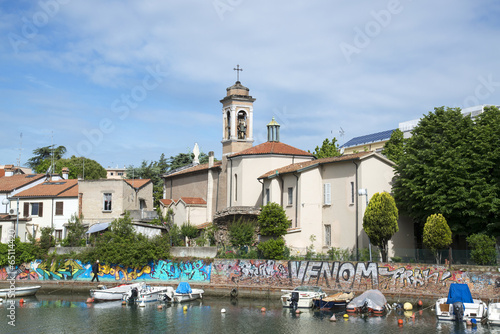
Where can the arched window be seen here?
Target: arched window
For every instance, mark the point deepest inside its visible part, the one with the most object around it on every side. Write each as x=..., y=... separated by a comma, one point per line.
x=242, y=124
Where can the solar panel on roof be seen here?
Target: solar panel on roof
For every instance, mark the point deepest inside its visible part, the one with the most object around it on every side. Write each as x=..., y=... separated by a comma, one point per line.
x=371, y=138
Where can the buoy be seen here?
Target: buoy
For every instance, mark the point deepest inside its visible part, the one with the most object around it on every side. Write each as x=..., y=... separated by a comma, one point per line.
x=160, y=306
x=223, y=310
x=185, y=308
x=408, y=314
x=298, y=312
x=468, y=322
x=346, y=316
x=400, y=322
x=263, y=309
x=90, y=300
x=333, y=318
x=408, y=306
x=420, y=303
x=21, y=301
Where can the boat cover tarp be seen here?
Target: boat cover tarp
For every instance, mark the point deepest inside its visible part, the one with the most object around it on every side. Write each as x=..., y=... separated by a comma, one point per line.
x=372, y=297
x=459, y=293
x=184, y=288
x=98, y=227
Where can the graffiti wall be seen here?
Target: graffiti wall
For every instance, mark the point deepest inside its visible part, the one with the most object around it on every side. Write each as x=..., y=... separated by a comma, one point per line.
x=354, y=276
x=163, y=270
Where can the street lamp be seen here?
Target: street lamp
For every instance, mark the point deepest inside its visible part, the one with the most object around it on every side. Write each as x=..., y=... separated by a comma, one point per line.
x=364, y=192
x=5, y=202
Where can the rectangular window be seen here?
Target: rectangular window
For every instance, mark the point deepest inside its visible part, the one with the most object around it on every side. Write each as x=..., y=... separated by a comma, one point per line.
x=236, y=187
x=327, y=194
x=290, y=196
x=59, y=208
x=268, y=195
x=107, y=202
x=37, y=209
x=58, y=234
x=328, y=235
x=352, y=193
x=120, y=173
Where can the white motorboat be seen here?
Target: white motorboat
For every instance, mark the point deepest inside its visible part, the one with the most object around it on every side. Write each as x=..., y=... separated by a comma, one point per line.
x=183, y=293
x=102, y=293
x=19, y=291
x=145, y=293
x=493, y=313
x=459, y=305
x=301, y=296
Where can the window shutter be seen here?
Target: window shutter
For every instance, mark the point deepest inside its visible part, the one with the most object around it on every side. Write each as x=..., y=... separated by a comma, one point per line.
x=26, y=209
x=40, y=209
x=59, y=208
x=327, y=194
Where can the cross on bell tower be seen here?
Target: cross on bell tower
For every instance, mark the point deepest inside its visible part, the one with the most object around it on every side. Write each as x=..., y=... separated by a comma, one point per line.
x=238, y=70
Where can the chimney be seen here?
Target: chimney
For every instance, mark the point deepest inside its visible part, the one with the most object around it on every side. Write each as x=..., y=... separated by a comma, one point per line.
x=210, y=159
x=9, y=170
x=65, y=173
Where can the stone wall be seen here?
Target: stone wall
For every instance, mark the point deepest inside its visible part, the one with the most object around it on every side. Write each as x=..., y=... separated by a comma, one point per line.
x=390, y=278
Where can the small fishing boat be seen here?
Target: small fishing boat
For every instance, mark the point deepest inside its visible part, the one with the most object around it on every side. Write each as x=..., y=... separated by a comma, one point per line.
x=493, y=313
x=19, y=291
x=102, y=293
x=301, y=296
x=183, y=293
x=145, y=294
x=340, y=299
x=459, y=305
x=370, y=301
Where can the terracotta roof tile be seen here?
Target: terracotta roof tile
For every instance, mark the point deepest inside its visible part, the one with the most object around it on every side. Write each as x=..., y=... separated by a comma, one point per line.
x=272, y=147
x=50, y=189
x=193, y=200
x=71, y=192
x=138, y=183
x=301, y=165
x=166, y=202
x=193, y=169
x=10, y=183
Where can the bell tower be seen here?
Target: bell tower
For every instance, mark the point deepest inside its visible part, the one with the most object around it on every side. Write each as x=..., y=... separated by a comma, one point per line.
x=237, y=119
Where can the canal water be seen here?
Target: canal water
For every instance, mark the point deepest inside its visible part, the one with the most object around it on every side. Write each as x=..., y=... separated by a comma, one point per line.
x=71, y=314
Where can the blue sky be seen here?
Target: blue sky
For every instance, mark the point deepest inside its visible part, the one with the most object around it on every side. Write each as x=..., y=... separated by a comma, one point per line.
x=125, y=81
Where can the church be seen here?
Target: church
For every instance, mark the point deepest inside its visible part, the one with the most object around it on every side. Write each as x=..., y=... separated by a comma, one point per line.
x=321, y=197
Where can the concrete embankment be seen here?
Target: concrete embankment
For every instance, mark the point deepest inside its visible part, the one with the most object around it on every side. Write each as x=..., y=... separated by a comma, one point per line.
x=82, y=288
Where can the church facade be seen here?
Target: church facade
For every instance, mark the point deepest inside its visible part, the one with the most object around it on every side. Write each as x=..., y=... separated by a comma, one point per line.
x=320, y=196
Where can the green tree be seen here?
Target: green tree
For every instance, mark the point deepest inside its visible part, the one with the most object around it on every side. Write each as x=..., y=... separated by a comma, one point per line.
x=436, y=172
x=45, y=153
x=483, y=249
x=273, y=220
x=437, y=234
x=78, y=167
x=75, y=232
x=241, y=232
x=184, y=159
x=327, y=149
x=380, y=221
x=272, y=249
x=394, y=147
x=188, y=230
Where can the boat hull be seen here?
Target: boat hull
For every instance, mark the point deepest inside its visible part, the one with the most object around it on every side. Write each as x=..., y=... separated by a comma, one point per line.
x=494, y=314
x=476, y=310
x=305, y=296
x=115, y=293
x=21, y=291
x=171, y=296
x=147, y=294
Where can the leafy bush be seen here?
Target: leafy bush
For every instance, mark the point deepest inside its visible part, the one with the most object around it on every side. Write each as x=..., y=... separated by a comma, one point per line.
x=273, y=249
x=47, y=239
x=483, y=249
x=338, y=254
x=273, y=220
x=76, y=233
x=188, y=230
x=396, y=259
x=241, y=232
x=437, y=234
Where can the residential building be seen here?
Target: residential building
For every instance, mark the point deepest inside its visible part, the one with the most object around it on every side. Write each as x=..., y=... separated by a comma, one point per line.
x=116, y=173
x=11, y=184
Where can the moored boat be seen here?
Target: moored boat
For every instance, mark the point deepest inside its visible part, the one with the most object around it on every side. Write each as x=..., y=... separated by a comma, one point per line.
x=339, y=299
x=145, y=293
x=493, y=313
x=183, y=293
x=459, y=305
x=301, y=296
x=102, y=293
x=370, y=301
x=19, y=291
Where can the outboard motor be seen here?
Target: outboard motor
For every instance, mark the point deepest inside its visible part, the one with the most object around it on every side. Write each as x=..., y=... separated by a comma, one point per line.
x=294, y=300
x=458, y=311
x=364, y=307
x=167, y=298
x=134, y=293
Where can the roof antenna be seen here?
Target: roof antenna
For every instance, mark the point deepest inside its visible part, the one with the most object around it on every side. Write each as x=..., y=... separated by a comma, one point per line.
x=20, y=149
x=342, y=132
